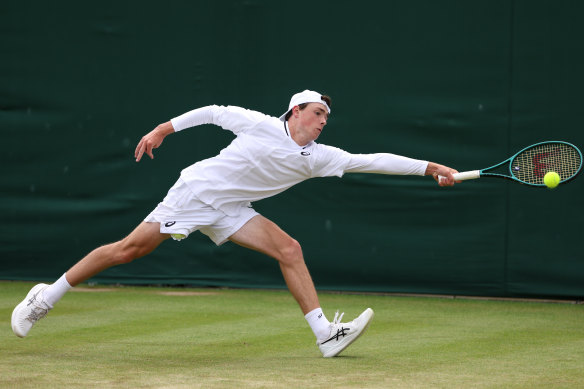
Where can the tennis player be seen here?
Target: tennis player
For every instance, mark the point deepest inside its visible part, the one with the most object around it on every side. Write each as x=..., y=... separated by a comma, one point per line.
x=214, y=196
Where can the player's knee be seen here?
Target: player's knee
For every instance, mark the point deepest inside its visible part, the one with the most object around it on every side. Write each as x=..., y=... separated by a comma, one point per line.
x=123, y=257
x=126, y=253
x=291, y=253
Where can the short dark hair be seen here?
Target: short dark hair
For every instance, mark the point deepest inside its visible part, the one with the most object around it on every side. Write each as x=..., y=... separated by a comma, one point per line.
x=324, y=98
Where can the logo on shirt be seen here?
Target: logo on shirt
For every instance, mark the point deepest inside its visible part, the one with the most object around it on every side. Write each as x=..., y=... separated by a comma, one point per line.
x=305, y=153
x=169, y=224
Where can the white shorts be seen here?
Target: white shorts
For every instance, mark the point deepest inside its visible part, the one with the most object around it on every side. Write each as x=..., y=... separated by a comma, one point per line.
x=181, y=212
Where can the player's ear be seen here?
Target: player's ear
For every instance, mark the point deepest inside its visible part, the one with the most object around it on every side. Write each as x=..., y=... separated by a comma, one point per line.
x=296, y=111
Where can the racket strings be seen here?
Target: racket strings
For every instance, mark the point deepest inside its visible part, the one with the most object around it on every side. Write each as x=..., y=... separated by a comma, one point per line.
x=532, y=164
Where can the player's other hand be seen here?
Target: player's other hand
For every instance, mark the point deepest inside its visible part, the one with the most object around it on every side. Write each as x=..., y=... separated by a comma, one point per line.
x=152, y=140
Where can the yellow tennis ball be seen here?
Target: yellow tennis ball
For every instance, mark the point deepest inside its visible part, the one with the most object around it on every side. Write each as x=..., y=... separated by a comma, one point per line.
x=551, y=179
x=177, y=236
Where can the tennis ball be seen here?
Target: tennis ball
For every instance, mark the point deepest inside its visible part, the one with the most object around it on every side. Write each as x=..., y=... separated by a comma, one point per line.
x=551, y=179
x=177, y=236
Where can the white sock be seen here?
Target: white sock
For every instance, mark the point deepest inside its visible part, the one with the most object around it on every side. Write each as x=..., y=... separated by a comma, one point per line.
x=319, y=324
x=54, y=292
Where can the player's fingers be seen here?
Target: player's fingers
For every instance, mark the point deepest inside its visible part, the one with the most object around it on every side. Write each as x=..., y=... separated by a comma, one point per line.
x=149, y=151
x=446, y=180
x=138, y=146
x=139, y=151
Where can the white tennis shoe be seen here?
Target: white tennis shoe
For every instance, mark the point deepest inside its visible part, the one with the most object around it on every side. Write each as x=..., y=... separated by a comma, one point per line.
x=343, y=334
x=29, y=311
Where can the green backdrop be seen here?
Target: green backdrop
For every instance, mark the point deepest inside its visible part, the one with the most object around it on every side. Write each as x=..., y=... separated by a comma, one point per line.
x=463, y=83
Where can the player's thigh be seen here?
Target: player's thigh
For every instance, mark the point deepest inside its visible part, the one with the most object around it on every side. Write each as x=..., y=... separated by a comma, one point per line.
x=263, y=235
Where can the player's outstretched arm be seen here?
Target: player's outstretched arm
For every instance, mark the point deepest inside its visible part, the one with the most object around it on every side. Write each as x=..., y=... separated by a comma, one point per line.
x=153, y=140
x=435, y=170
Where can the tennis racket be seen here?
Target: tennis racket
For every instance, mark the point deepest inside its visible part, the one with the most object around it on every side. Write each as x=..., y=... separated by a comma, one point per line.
x=530, y=165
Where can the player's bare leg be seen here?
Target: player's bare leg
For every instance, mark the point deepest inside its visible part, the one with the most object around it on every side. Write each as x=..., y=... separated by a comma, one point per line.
x=143, y=240
x=265, y=236
x=262, y=235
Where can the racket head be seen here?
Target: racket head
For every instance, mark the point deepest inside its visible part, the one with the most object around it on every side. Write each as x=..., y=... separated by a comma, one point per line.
x=531, y=164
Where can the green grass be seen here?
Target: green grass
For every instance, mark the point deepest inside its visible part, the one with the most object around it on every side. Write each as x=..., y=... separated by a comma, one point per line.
x=150, y=338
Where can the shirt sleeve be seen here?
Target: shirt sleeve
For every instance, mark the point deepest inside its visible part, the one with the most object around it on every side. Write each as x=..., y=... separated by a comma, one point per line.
x=385, y=163
x=235, y=119
x=333, y=161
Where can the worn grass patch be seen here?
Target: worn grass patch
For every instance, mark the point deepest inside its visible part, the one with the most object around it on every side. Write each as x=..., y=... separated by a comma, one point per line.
x=190, y=338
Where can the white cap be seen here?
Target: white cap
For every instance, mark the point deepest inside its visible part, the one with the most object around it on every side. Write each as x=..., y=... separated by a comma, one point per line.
x=306, y=96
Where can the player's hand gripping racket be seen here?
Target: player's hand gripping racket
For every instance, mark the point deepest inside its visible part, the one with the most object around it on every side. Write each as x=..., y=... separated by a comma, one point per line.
x=530, y=165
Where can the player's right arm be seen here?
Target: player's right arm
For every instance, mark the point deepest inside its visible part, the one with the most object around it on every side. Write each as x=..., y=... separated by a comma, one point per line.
x=235, y=119
x=231, y=118
x=153, y=140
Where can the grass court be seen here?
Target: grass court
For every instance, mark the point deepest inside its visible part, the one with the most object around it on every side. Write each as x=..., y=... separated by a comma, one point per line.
x=120, y=337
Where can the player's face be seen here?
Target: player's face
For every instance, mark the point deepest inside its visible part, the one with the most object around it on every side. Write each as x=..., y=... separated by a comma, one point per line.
x=313, y=118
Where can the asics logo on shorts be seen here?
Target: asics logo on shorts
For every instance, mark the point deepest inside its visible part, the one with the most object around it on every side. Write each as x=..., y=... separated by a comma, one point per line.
x=169, y=224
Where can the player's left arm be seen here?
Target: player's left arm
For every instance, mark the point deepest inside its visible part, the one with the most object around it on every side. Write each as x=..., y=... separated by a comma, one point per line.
x=385, y=163
x=434, y=169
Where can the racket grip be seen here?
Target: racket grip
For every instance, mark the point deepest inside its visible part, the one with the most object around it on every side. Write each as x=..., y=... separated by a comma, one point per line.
x=463, y=176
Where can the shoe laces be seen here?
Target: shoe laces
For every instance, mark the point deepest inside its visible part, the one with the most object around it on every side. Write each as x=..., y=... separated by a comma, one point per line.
x=338, y=329
x=38, y=310
x=337, y=319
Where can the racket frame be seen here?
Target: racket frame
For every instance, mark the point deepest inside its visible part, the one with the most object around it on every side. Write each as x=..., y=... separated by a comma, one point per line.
x=473, y=174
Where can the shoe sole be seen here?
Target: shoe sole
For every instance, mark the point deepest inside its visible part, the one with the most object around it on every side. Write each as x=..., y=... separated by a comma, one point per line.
x=344, y=346
x=22, y=304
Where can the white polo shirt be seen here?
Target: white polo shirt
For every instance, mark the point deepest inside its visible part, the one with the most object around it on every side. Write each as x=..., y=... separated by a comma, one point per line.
x=263, y=160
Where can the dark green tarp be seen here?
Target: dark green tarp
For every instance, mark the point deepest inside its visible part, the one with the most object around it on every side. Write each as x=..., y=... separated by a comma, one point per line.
x=464, y=83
